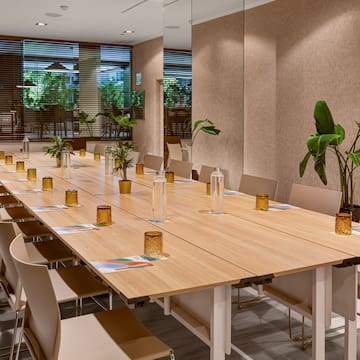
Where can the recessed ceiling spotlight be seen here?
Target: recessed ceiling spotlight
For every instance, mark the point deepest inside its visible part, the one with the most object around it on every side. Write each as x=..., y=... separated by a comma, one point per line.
x=172, y=27
x=128, y=31
x=39, y=23
x=64, y=7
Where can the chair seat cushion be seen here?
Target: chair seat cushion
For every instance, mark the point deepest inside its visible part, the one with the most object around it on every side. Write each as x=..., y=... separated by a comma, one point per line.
x=115, y=334
x=73, y=282
x=45, y=252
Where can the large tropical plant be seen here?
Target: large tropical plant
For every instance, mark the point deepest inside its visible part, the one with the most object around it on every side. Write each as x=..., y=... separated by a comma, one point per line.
x=329, y=136
x=123, y=121
x=85, y=120
x=203, y=125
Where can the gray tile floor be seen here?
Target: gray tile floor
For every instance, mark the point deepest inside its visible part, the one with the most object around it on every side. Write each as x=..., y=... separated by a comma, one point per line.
x=259, y=331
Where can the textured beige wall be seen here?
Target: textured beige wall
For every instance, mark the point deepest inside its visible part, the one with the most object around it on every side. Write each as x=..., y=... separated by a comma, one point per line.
x=217, y=48
x=148, y=59
x=298, y=51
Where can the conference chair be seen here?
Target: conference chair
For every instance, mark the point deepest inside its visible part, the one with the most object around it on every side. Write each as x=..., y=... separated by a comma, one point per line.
x=253, y=185
x=115, y=334
x=316, y=199
x=153, y=162
x=71, y=283
x=205, y=173
x=181, y=168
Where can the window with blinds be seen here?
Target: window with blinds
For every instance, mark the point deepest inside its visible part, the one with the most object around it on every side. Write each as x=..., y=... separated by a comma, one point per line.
x=10, y=95
x=115, y=78
x=46, y=84
x=177, y=78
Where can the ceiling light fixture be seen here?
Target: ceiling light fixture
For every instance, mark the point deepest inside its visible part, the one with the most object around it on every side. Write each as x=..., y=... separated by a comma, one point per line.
x=26, y=85
x=40, y=24
x=56, y=67
x=128, y=31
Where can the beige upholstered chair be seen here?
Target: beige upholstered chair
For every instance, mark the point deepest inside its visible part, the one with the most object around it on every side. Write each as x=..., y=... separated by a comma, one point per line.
x=134, y=155
x=181, y=168
x=205, y=173
x=317, y=199
x=100, y=148
x=115, y=334
x=153, y=161
x=42, y=252
x=253, y=185
x=71, y=283
x=175, y=152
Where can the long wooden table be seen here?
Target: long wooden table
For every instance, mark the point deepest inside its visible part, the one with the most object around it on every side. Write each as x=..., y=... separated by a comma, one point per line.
x=207, y=253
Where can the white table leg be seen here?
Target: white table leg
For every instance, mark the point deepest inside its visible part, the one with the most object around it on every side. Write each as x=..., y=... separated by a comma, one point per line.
x=345, y=291
x=318, y=315
x=350, y=339
x=228, y=302
x=218, y=332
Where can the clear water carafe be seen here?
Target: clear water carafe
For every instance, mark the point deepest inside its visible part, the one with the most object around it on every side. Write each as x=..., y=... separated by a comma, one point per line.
x=26, y=147
x=109, y=160
x=159, y=200
x=65, y=164
x=217, y=192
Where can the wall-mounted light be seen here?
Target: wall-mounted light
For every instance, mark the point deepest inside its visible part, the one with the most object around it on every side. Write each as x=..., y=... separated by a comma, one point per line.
x=56, y=67
x=39, y=23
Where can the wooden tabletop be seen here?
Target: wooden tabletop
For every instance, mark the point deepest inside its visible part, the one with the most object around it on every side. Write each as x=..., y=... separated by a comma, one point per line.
x=205, y=250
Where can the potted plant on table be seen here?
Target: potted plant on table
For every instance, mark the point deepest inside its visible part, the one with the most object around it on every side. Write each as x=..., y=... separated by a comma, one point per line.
x=123, y=161
x=59, y=146
x=329, y=137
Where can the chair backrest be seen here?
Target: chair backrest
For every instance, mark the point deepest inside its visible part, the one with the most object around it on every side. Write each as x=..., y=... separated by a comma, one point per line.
x=317, y=199
x=42, y=317
x=38, y=146
x=181, y=168
x=100, y=148
x=8, y=271
x=153, y=161
x=205, y=173
x=134, y=155
x=253, y=185
x=175, y=152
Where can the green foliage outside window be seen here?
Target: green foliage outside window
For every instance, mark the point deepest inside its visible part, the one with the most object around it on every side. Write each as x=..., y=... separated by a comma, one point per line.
x=52, y=88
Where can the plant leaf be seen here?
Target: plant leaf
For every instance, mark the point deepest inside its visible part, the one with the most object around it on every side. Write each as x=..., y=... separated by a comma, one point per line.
x=320, y=169
x=211, y=130
x=355, y=157
x=318, y=144
x=323, y=118
x=339, y=130
x=198, y=122
x=304, y=163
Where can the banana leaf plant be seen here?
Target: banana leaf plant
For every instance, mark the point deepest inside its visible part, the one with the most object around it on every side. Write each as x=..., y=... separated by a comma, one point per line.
x=206, y=126
x=84, y=119
x=121, y=120
x=329, y=136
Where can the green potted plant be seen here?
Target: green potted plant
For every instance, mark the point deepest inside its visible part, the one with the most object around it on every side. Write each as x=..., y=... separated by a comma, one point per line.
x=123, y=121
x=329, y=137
x=203, y=125
x=84, y=120
x=56, y=149
x=122, y=162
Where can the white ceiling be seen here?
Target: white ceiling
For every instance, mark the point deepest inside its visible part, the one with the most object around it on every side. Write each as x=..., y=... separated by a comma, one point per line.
x=105, y=21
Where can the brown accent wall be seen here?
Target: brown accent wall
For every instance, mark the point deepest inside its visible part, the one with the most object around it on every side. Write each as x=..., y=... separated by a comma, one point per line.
x=296, y=52
x=217, y=85
x=148, y=59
